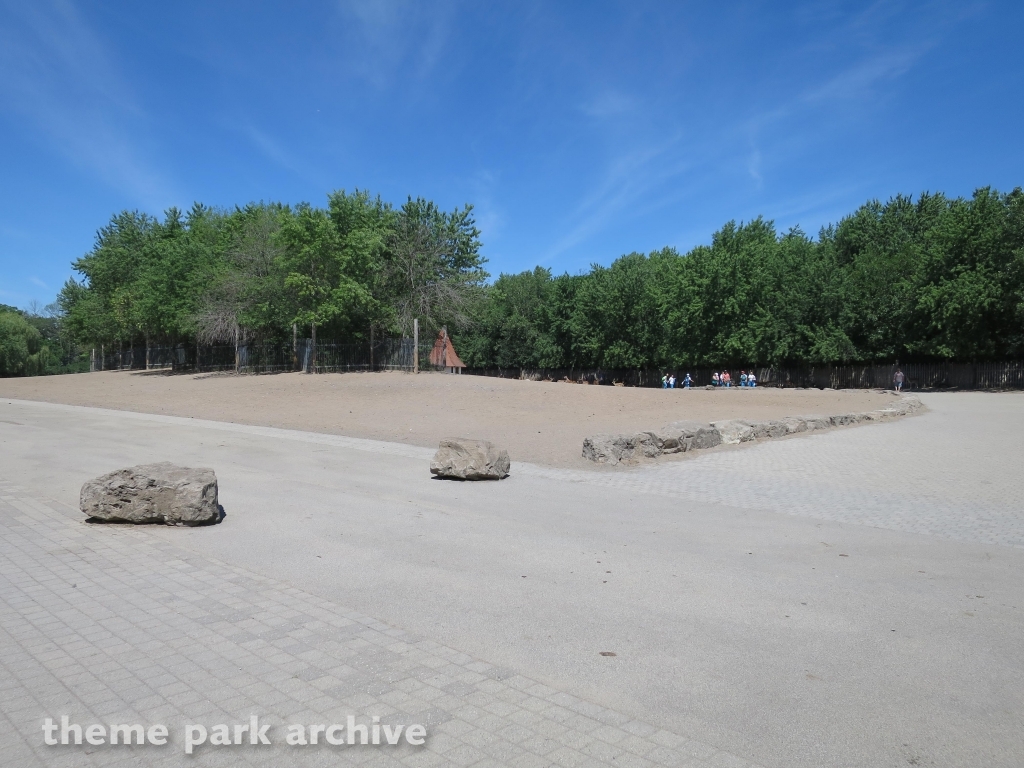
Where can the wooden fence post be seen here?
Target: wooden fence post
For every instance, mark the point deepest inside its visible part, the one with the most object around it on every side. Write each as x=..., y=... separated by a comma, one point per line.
x=371, y=347
x=236, y=349
x=416, y=346
x=312, y=365
x=295, y=346
x=92, y=361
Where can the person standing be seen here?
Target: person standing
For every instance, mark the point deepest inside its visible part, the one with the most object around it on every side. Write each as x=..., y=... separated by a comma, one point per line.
x=726, y=380
x=687, y=381
x=672, y=381
x=743, y=378
x=898, y=380
x=751, y=379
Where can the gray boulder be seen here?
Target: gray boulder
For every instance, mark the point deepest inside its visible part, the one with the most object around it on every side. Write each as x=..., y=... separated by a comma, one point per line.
x=734, y=431
x=816, y=422
x=911, y=403
x=846, y=419
x=613, y=449
x=680, y=436
x=764, y=429
x=794, y=424
x=458, y=458
x=153, y=493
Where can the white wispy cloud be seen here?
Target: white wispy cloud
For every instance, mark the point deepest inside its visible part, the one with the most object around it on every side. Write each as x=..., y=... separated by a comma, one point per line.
x=859, y=80
x=610, y=103
x=385, y=36
x=490, y=218
x=36, y=281
x=654, y=172
x=57, y=75
x=272, y=149
x=628, y=178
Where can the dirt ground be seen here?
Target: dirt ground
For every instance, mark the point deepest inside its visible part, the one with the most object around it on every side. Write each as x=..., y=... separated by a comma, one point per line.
x=540, y=422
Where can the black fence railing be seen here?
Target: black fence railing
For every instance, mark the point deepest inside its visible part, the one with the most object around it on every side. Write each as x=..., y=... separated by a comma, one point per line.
x=1005, y=375
x=398, y=355
x=382, y=355
x=325, y=357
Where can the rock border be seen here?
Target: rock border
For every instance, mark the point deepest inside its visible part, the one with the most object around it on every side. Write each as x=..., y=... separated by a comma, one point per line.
x=683, y=436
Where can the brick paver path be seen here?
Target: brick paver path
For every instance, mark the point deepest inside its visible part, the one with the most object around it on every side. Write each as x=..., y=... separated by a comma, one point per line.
x=108, y=624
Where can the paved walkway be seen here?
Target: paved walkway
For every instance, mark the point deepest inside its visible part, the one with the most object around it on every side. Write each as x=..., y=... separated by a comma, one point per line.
x=843, y=599
x=108, y=625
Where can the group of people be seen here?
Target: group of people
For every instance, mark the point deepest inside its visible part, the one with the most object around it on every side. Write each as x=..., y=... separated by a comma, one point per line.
x=724, y=379
x=748, y=379
x=668, y=381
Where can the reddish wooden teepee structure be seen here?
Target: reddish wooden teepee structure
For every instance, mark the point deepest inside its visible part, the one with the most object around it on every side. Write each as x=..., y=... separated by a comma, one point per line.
x=443, y=354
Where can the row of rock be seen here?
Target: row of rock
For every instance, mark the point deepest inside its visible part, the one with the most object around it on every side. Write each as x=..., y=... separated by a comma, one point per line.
x=682, y=436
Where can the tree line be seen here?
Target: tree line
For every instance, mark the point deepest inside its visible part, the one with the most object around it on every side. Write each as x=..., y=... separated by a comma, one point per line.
x=252, y=273
x=926, y=280
x=934, y=278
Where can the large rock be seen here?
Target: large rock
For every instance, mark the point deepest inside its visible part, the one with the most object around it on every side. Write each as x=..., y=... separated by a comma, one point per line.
x=767, y=428
x=734, y=431
x=846, y=419
x=816, y=422
x=461, y=459
x=153, y=493
x=794, y=424
x=613, y=449
x=680, y=436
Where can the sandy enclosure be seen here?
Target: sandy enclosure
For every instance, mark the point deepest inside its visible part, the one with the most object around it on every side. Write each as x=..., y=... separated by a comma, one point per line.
x=541, y=422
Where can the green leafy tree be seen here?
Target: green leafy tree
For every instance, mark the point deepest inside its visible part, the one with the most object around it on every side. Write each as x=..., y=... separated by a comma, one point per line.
x=431, y=268
x=316, y=265
x=22, y=352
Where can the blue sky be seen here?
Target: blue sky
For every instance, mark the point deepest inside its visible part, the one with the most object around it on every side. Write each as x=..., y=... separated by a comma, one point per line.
x=580, y=131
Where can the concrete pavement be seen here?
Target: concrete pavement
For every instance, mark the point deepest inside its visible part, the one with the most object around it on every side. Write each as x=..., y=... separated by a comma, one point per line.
x=846, y=599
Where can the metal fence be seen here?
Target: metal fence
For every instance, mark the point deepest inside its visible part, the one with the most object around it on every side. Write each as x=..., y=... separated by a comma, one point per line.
x=398, y=355
x=326, y=357
x=1005, y=375
x=382, y=355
